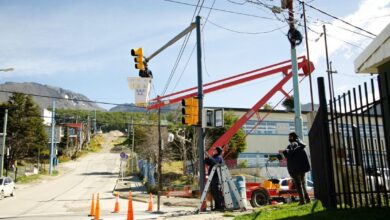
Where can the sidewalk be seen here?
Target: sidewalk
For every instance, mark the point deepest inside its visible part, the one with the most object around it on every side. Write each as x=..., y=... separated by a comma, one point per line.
x=139, y=193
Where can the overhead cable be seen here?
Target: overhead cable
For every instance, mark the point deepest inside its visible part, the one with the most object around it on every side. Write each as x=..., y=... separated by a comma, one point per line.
x=222, y=10
x=245, y=32
x=180, y=55
x=193, y=49
x=346, y=22
x=69, y=99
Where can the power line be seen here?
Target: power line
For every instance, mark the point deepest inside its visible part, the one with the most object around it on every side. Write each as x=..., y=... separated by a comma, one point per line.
x=193, y=49
x=68, y=99
x=332, y=16
x=343, y=28
x=180, y=55
x=331, y=36
x=245, y=32
x=222, y=10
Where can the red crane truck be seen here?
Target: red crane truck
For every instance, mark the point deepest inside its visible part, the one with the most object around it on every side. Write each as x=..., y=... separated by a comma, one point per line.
x=257, y=193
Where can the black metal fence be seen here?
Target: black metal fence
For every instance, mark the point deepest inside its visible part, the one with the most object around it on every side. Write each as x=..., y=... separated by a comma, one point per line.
x=349, y=151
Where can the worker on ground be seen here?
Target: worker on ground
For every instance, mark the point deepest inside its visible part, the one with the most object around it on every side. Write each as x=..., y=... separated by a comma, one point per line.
x=298, y=165
x=215, y=184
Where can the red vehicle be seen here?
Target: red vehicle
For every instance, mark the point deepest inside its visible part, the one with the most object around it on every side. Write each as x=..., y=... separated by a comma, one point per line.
x=257, y=194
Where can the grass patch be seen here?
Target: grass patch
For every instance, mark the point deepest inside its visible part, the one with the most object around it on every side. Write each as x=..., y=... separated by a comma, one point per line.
x=228, y=214
x=95, y=144
x=313, y=211
x=63, y=158
x=172, y=167
x=173, y=174
x=28, y=179
x=35, y=177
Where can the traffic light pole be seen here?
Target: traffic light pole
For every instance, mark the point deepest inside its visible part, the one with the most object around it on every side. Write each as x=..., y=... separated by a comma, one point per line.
x=199, y=128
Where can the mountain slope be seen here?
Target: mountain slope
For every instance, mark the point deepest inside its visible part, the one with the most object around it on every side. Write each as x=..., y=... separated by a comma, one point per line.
x=67, y=96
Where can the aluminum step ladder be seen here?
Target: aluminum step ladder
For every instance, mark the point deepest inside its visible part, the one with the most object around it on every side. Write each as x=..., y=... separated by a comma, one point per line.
x=228, y=188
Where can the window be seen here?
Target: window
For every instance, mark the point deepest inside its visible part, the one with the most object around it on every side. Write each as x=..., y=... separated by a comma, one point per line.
x=284, y=183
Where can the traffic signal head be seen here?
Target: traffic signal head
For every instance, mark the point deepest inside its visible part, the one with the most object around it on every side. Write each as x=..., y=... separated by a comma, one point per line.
x=138, y=58
x=190, y=111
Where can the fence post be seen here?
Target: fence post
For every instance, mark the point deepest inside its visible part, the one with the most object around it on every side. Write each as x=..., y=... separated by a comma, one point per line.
x=331, y=194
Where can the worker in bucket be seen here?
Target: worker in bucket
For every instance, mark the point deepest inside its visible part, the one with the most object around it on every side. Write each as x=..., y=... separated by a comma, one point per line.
x=297, y=165
x=215, y=184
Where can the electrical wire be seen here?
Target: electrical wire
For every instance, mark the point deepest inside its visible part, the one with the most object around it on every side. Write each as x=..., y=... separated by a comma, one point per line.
x=244, y=32
x=181, y=52
x=334, y=17
x=331, y=36
x=69, y=99
x=222, y=10
x=329, y=23
x=193, y=49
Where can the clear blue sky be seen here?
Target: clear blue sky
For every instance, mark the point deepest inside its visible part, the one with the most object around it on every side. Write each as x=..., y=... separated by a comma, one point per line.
x=84, y=46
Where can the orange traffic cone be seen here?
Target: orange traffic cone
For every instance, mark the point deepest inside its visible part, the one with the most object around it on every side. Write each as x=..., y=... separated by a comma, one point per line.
x=116, y=209
x=92, y=212
x=150, y=206
x=130, y=214
x=97, y=210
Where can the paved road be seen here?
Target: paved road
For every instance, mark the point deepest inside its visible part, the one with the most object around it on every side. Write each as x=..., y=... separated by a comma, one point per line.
x=68, y=196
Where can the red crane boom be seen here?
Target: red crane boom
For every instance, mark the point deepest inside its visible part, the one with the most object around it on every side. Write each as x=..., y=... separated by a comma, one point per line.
x=282, y=67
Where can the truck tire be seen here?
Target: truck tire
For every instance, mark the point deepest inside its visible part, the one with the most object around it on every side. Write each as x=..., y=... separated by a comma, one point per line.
x=259, y=198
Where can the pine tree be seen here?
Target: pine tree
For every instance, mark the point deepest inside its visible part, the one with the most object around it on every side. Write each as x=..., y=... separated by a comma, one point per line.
x=237, y=144
x=25, y=133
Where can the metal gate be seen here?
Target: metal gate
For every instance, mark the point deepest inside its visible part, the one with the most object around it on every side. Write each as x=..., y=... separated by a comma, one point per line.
x=348, y=146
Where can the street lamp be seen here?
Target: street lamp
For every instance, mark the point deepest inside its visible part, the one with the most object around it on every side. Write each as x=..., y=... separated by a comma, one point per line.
x=7, y=69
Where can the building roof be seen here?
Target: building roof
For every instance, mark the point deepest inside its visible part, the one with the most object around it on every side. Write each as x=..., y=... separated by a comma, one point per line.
x=376, y=53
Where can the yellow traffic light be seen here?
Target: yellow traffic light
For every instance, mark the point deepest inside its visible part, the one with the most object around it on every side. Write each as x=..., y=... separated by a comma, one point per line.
x=190, y=110
x=139, y=58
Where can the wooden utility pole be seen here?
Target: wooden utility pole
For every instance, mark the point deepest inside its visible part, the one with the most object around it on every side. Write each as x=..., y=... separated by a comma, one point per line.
x=328, y=71
x=308, y=54
x=159, y=159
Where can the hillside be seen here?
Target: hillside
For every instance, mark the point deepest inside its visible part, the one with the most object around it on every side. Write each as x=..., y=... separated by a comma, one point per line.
x=45, y=90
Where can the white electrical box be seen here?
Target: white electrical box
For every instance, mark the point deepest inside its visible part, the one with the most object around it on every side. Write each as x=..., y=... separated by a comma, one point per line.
x=212, y=118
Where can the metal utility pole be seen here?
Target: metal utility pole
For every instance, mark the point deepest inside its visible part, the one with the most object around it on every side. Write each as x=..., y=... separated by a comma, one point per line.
x=199, y=128
x=327, y=64
x=132, y=146
x=308, y=55
x=128, y=143
x=159, y=160
x=294, y=36
x=94, y=124
x=3, y=142
x=52, y=137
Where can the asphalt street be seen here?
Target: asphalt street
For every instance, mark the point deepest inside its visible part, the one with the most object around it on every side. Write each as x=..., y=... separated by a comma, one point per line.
x=68, y=196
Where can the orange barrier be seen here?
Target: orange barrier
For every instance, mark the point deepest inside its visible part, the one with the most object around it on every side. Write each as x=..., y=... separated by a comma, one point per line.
x=116, y=208
x=185, y=192
x=130, y=214
x=92, y=212
x=97, y=210
x=150, y=206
